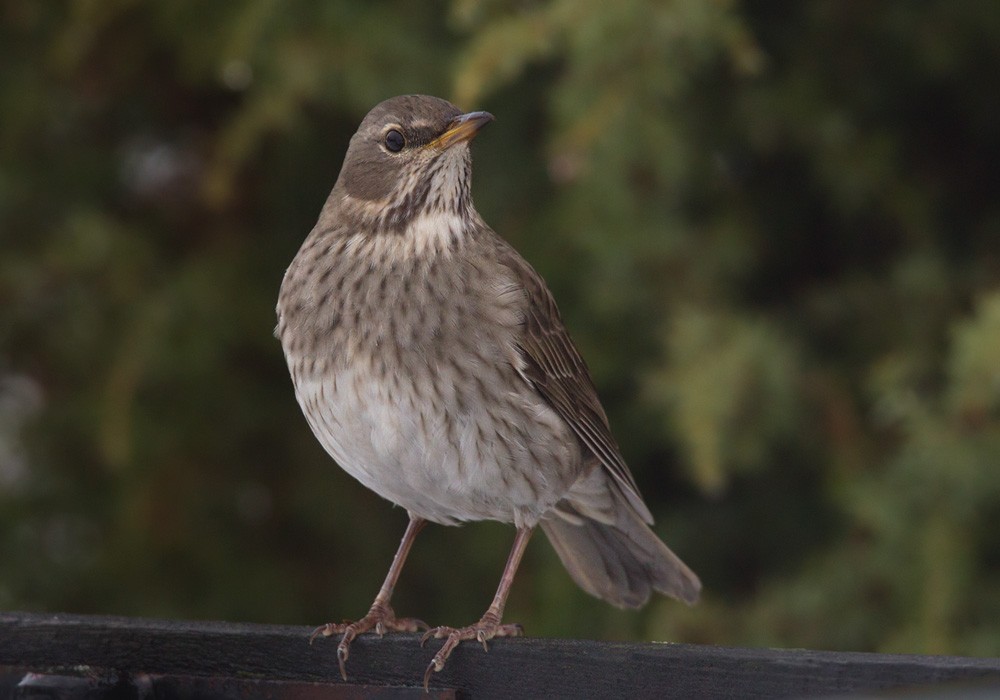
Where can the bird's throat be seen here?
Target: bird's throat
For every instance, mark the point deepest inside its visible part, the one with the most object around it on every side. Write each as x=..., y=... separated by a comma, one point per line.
x=428, y=234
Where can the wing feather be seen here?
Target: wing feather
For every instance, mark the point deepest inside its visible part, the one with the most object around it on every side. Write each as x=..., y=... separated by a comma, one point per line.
x=555, y=368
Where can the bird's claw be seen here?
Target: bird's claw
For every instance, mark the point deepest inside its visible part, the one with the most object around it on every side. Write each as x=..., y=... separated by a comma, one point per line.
x=343, y=651
x=483, y=631
x=380, y=619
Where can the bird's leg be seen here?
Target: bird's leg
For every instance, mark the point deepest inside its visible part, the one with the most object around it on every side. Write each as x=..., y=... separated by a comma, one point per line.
x=380, y=616
x=489, y=625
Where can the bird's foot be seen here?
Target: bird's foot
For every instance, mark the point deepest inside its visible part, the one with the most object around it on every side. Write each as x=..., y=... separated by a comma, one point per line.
x=483, y=631
x=380, y=618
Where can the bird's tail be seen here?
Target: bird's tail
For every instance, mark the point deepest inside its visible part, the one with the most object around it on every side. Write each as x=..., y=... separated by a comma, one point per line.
x=622, y=562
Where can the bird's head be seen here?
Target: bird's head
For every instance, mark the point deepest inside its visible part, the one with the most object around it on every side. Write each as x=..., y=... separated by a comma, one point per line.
x=409, y=157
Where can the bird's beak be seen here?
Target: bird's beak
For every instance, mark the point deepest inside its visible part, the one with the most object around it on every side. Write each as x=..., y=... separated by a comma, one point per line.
x=462, y=128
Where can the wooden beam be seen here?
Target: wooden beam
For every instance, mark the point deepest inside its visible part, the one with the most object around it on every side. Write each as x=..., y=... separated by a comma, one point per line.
x=213, y=659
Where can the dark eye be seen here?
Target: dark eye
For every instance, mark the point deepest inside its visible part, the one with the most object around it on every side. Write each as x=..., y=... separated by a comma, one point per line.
x=394, y=141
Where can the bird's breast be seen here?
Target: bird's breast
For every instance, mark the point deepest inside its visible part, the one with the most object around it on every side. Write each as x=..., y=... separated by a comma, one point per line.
x=408, y=380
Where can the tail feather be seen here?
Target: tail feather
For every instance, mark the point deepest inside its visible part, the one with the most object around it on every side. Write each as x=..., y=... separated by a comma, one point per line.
x=621, y=563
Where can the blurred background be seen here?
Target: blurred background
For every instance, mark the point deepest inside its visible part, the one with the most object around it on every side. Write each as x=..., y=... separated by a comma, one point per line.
x=773, y=230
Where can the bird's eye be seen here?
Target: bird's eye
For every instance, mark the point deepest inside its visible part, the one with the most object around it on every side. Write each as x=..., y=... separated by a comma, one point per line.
x=394, y=141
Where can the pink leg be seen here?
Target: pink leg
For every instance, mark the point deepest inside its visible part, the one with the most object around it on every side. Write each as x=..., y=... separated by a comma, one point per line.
x=489, y=625
x=380, y=616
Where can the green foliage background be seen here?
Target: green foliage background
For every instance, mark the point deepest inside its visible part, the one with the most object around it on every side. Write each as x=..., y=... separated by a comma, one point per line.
x=772, y=229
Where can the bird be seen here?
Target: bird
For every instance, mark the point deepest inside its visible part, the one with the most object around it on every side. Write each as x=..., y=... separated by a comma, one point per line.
x=431, y=362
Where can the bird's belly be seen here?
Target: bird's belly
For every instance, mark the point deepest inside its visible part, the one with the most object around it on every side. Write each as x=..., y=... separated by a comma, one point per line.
x=430, y=444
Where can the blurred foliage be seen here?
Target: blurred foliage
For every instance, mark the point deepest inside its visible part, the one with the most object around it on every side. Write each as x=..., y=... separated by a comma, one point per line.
x=772, y=229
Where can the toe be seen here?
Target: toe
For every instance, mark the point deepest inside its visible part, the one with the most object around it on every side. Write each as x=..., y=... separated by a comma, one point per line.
x=327, y=630
x=343, y=651
x=427, y=676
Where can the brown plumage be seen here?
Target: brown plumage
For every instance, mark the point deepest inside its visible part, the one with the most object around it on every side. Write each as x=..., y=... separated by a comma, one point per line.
x=431, y=362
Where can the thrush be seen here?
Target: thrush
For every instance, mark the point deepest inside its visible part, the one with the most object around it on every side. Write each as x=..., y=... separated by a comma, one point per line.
x=431, y=362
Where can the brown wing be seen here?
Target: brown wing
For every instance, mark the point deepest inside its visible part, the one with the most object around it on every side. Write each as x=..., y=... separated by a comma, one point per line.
x=554, y=366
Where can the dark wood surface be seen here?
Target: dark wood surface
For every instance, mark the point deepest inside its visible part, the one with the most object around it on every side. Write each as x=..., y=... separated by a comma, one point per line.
x=93, y=657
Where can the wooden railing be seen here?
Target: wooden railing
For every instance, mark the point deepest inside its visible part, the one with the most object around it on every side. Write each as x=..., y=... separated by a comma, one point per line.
x=72, y=656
